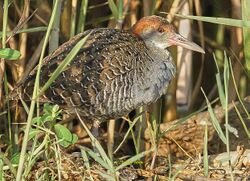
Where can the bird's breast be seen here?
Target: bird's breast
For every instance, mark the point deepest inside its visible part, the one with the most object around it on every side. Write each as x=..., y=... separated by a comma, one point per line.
x=154, y=82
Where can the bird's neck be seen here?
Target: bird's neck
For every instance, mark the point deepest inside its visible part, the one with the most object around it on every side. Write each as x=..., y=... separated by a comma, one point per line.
x=156, y=52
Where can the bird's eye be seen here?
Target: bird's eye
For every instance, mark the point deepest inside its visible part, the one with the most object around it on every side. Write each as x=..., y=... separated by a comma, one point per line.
x=161, y=30
x=179, y=39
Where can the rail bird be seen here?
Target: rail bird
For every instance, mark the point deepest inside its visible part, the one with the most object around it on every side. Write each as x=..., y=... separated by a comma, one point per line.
x=115, y=72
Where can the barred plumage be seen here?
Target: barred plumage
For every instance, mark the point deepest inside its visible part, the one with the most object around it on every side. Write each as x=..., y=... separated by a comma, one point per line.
x=114, y=72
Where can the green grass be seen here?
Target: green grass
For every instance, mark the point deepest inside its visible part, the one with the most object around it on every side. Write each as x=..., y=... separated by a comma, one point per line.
x=205, y=152
x=103, y=159
x=56, y=136
x=38, y=92
x=223, y=95
x=33, y=102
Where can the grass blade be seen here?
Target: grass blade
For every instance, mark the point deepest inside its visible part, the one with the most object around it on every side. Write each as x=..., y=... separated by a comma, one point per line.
x=133, y=159
x=205, y=152
x=34, y=95
x=64, y=64
x=236, y=90
x=98, y=159
x=219, y=84
x=126, y=135
x=100, y=20
x=242, y=121
x=113, y=9
x=82, y=16
x=86, y=163
x=217, y=20
x=245, y=4
x=27, y=30
x=214, y=119
x=98, y=146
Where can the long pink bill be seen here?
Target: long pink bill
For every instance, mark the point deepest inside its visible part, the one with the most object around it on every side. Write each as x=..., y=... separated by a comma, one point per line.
x=179, y=40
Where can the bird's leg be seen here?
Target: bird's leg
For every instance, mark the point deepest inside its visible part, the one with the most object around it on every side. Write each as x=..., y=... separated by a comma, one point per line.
x=95, y=132
x=95, y=128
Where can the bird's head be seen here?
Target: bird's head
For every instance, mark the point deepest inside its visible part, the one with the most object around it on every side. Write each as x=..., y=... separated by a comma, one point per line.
x=157, y=31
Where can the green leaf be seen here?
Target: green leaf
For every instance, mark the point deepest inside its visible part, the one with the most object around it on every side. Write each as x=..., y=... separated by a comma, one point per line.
x=74, y=138
x=33, y=132
x=52, y=110
x=15, y=158
x=37, y=120
x=65, y=136
x=9, y=54
x=55, y=108
x=46, y=118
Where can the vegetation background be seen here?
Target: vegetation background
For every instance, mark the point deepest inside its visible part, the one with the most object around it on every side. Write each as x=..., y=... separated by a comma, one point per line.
x=37, y=146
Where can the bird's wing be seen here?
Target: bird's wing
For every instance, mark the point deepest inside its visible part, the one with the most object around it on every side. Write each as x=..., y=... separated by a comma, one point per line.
x=106, y=55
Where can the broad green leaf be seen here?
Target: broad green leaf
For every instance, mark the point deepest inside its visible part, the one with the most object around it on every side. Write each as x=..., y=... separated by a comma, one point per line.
x=9, y=54
x=63, y=134
x=74, y=138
